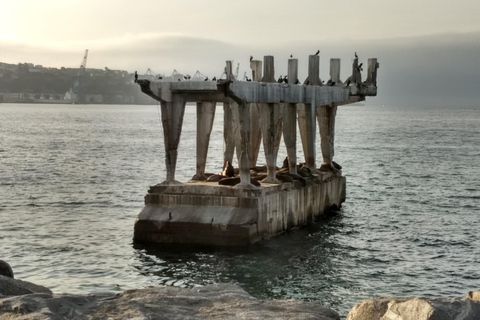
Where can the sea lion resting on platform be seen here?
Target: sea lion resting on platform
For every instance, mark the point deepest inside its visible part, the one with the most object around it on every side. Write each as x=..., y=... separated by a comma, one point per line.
x=228, y=170
x=236, y=180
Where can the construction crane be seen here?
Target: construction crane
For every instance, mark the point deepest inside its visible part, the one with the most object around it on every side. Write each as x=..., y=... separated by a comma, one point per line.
x=83, y=65
x=150, y=73
x=76, y=93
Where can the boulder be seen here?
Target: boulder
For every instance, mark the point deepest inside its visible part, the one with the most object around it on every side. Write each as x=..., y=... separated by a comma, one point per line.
x=221, y=301
x=15, y=287
x=393, y=308
x=5, y=269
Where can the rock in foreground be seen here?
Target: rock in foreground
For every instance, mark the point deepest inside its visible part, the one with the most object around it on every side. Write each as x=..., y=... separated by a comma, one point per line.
x=222, y=301
x=392, y=308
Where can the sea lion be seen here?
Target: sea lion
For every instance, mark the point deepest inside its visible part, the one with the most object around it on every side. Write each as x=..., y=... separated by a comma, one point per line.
x=284, y=177
x=259, y=177
x=336, y=165
x=5, y=269
x=304, y=172
x=215, y=178
x=228, y=170
x=286, y=163
x=236, y=180
x=259, y=169
x=298, y=177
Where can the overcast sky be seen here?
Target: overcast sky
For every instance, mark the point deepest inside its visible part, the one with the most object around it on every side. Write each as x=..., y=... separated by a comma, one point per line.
x=428, y=50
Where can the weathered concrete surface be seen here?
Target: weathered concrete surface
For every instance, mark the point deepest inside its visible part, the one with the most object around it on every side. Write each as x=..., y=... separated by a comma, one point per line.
x=206, y=213
x=222, y=301
x=396, y=308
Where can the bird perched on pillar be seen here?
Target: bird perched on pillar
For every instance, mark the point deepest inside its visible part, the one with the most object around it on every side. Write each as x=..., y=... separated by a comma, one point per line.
x=251, y=58
x=317, y=53
x=356, y=57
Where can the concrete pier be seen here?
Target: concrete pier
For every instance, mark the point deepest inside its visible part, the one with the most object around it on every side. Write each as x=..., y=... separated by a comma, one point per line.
x=258, y=202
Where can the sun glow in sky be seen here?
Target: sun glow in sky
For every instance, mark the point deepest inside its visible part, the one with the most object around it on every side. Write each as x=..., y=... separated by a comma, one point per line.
x=195, y=35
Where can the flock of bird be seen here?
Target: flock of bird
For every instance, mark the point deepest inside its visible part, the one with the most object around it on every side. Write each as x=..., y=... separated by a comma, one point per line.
x=282, y=79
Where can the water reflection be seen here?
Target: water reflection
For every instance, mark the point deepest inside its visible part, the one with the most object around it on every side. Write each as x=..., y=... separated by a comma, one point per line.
x=300, y=264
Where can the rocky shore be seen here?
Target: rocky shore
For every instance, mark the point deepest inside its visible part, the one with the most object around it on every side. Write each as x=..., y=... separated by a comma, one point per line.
x=27, y=301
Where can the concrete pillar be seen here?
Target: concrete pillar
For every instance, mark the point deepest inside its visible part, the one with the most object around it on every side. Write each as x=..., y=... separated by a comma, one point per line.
x=271, y=124
x=256, y=66
x=356, y=75
x=172, y=121
x=255, y=131
x=307, y=113
x=243, y=120
x=307, y=133
x=288, y=117
x=228, y=70
x=268, y=69
x=335, y=71
x=229, y=133
x=313, y=71
x=326, y=123
x=372, y=72
x=205, y=117
x=255, y=135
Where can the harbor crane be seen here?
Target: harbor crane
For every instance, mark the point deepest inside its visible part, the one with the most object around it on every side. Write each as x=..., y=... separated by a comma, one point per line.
x=76, y=94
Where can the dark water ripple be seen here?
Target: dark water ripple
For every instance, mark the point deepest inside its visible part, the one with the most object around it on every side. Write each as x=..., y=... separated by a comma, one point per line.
x=73, y=178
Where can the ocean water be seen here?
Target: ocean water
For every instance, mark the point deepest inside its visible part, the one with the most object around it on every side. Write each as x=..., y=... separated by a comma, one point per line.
x=73, y=178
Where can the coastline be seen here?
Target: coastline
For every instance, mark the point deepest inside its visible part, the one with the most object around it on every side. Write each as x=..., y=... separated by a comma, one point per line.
x=24, y=300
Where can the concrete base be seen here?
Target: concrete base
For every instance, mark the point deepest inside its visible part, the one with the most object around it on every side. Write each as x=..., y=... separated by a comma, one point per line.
x=205, y=213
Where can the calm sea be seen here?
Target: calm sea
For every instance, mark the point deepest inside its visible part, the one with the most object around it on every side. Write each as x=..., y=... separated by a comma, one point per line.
x=73, y=178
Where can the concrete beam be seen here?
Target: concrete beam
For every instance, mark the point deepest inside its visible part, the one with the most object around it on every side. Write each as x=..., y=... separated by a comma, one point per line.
x=261, y=92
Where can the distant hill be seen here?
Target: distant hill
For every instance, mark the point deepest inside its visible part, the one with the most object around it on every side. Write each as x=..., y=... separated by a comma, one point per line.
x=29, y=83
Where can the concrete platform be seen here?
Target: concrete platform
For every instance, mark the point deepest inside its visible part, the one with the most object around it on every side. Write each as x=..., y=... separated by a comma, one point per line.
x=260, y=110
x=205, y=213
